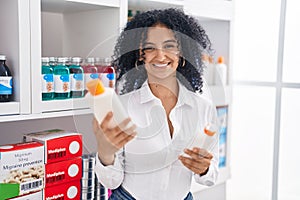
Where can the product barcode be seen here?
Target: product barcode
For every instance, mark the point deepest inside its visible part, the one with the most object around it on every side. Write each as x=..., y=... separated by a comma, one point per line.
x=32, y=185
x=55, y=178
x=57, y=155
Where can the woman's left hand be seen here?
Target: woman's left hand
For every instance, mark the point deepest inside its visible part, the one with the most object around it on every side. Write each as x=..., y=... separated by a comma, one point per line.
x=199, y=160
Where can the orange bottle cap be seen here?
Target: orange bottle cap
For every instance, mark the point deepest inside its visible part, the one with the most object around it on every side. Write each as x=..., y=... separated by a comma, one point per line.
x=95, y=87
x=209, y=132
x=221, y=59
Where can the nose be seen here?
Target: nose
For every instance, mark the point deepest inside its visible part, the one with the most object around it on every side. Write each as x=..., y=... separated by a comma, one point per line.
x=160, y=54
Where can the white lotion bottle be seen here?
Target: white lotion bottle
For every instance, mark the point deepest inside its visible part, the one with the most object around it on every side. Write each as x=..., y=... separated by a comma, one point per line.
x=103, y=100
x=220, y=72
x=209, y=70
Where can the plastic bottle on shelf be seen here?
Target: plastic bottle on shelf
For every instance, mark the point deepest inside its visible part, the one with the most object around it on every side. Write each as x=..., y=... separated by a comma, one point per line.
x=61, y=79
x=76, y=78
x=68, y=61
x=47, y=80
x=90, y=71
x=209, y=70
x=6, y=86
x=220, y=72
x=129, y=15
x=107, y=73
x=103, y=100
x=99, y=64
x=52, y=62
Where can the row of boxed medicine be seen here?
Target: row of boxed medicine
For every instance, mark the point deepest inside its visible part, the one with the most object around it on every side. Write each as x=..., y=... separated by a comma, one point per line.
x=67, y=191
x=42, y=160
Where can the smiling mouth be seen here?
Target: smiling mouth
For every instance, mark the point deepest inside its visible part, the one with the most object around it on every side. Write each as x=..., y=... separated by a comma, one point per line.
x=161, y=65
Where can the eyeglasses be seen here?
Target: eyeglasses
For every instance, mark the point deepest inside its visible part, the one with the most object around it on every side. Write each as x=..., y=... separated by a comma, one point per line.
x=170, y=47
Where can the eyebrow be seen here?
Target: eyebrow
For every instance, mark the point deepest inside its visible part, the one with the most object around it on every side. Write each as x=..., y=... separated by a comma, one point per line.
x=167, y=41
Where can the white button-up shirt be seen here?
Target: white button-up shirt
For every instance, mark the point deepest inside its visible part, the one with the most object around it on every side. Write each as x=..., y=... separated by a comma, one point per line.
x=148, y=166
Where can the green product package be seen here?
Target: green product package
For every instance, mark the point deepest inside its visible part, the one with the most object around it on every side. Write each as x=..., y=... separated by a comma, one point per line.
x=9, y=190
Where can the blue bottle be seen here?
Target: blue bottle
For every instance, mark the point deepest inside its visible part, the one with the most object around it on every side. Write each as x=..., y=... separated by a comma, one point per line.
x=47, y=80
x=6, y=86
x=61, y=80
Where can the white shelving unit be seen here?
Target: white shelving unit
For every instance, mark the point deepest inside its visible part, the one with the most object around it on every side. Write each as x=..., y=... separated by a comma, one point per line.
x=31, y=29
x=71, y=28
x=36, y=28
x=15, y=44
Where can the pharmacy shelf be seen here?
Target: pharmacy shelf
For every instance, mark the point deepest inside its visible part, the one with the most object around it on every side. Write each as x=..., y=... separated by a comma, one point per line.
x=68, y=6
x=9, y=108
x=15, y=44
x=47, y=115
x=71, y=28
x=64, y=105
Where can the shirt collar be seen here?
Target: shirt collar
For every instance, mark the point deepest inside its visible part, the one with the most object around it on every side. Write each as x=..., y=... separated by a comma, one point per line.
x=183, y=96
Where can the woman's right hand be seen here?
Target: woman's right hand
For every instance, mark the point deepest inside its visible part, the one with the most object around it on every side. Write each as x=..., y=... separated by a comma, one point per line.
x=111, y=139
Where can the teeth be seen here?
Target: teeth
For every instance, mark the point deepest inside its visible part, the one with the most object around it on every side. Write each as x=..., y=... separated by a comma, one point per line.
x=160, y=65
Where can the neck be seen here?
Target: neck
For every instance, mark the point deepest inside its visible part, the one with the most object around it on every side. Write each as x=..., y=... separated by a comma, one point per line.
x=164, y=88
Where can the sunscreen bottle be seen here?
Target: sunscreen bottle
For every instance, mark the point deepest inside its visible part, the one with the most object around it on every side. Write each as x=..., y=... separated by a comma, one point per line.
x=103, y=100
x=208, y=138
x=209, y=69
x=221, y=72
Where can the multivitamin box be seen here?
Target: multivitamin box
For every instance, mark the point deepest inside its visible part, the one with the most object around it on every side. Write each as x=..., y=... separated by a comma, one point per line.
x=21, y=169
x=59, y=144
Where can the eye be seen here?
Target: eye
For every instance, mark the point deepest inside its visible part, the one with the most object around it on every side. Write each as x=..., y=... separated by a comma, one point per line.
x=149, y=49
x=170, y=46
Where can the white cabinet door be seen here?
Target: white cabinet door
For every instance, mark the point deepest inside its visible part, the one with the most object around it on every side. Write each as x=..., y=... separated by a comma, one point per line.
x=15, y=44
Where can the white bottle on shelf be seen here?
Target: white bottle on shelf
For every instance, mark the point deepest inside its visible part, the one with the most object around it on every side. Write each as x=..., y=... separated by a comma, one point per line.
x=220, y=72
x=209, y=70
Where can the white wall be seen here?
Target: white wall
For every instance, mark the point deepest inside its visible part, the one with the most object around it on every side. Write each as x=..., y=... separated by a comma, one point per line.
x=266, y=96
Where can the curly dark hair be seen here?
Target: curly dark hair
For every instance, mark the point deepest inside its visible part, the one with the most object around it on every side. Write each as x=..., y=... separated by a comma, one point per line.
x=192, y=39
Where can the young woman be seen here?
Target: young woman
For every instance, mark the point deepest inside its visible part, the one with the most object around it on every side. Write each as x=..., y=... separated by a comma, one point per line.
x=159, y=67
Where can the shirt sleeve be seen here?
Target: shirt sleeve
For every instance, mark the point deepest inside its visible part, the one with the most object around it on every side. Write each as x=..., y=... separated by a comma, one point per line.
x=111, y=176
x=210, y=177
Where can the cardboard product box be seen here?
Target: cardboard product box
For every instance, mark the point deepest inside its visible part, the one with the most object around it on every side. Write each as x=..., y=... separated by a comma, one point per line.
x=63, y=171
x=59, y=144
x=31, y=196
x=22, y=169
x=66, y=191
